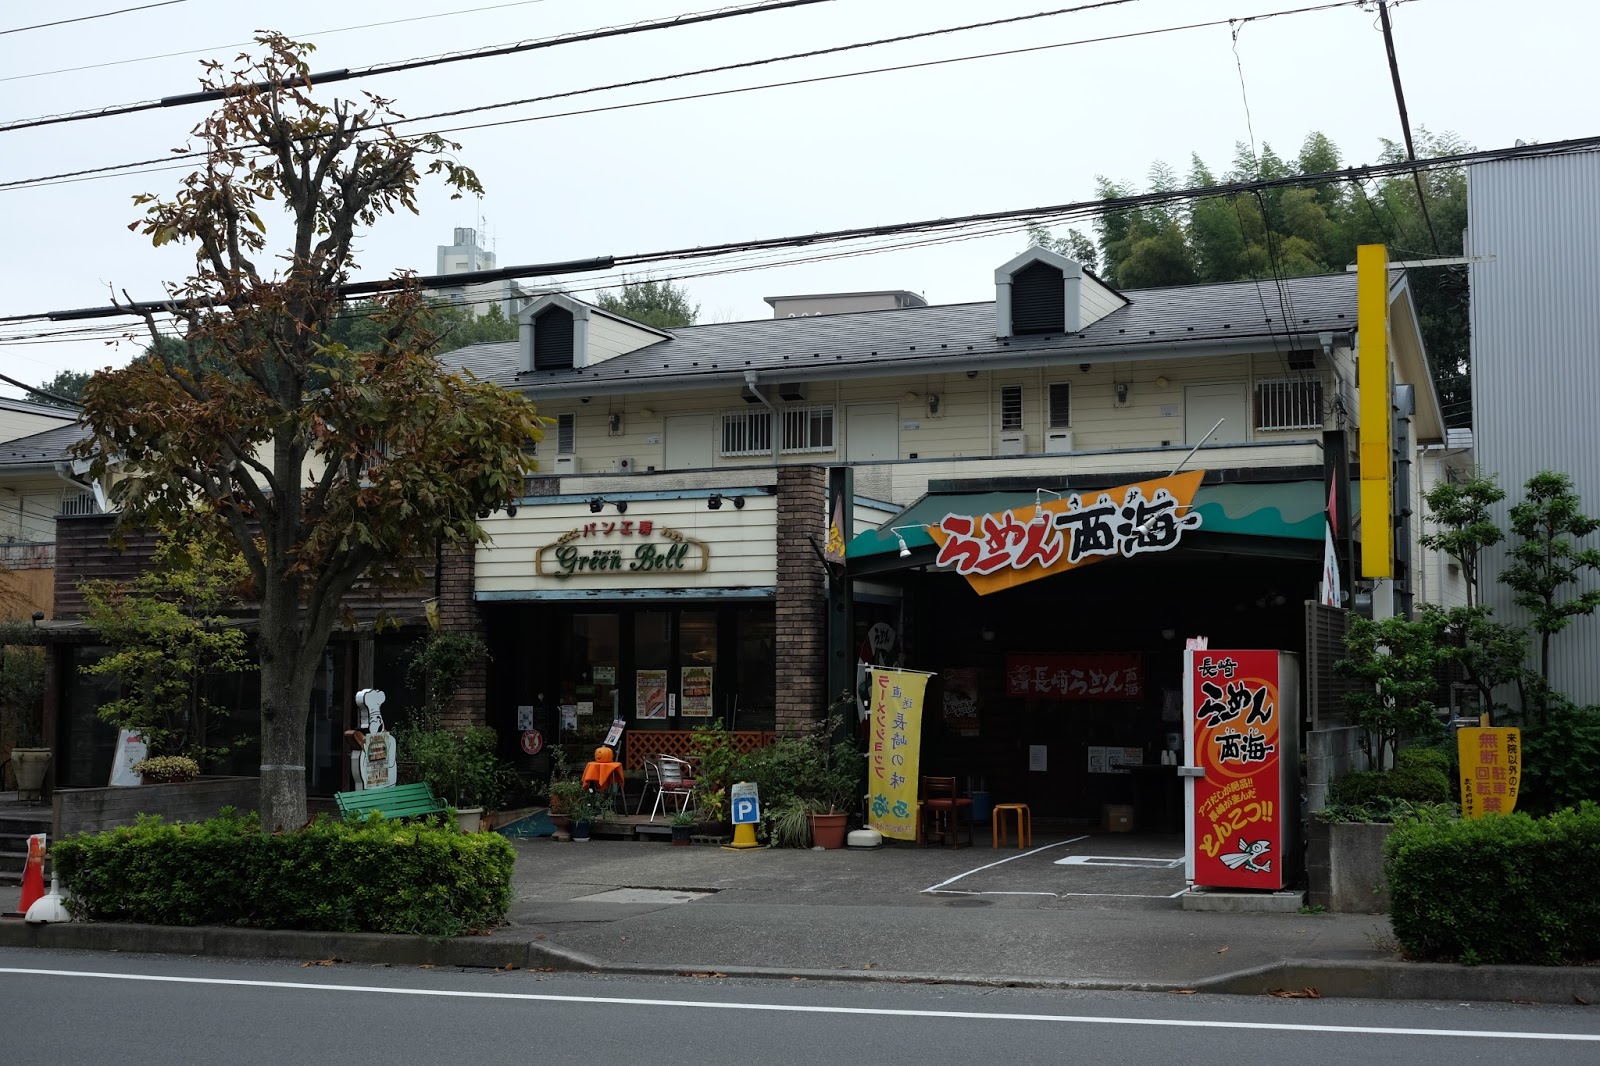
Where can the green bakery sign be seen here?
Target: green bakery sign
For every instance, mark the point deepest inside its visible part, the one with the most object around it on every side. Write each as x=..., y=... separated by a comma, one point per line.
x=622, y=547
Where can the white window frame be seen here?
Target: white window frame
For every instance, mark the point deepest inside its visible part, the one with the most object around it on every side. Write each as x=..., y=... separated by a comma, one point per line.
x=1022, y=410
x=1051, y=422
x=810, y=423
x=1287, y=404
x=750, y=430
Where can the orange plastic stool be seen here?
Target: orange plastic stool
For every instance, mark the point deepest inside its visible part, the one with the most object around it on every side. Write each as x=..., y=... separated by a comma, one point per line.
x=997, y=825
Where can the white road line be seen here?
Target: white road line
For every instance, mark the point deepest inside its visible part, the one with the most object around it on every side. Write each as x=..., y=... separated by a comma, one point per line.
x=793, y=1008
x=992, y=865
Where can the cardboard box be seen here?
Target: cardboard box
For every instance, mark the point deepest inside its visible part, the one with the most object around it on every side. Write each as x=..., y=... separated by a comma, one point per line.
x=1116, y=818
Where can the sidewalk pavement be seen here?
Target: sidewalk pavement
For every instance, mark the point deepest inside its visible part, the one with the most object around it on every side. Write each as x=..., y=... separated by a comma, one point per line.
x=1025, y=919
x=1071, y=912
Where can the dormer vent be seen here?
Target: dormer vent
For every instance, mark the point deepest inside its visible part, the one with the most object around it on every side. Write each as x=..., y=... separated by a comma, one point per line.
x=1038, y=300
x=552, y=339
x=1044, y=292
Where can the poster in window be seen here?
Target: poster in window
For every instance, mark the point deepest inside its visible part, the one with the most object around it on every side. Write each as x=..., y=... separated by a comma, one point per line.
x=961, y=701
x=605, y=675
x=695, y=684
x=650, y=693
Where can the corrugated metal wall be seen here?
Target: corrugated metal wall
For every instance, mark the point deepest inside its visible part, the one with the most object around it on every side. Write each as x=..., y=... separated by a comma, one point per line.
x=1536, y=353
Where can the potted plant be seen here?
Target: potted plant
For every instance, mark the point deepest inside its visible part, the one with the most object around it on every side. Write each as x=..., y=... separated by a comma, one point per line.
x=22, y=673
x=166, y=769
x=585, y=809
x=833, y=792
x=682, y=825
x=463, y=769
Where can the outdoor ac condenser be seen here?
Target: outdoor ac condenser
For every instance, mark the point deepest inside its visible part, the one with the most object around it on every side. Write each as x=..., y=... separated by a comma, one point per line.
x=1057, y=441
x=1011, y=442
x=622, y=466
x=566, y=464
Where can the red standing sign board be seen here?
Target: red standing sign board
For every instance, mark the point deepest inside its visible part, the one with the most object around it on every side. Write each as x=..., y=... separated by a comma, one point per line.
x=1243, y=718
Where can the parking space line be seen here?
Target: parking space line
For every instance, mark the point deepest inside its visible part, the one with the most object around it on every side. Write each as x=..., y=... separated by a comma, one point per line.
x=1001, y=862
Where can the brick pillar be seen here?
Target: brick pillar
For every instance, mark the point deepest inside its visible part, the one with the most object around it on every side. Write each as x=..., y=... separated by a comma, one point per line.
x=458, y=613
x=802, y=609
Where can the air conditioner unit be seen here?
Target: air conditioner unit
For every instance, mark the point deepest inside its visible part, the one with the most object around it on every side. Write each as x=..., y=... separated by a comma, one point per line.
x=566, y=464
x=792, y=391
x=622, y=466
x=1011, y=442
x=1057, y=441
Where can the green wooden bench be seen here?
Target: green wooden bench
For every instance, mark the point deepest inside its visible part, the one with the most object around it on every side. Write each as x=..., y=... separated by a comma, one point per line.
x=396, y=801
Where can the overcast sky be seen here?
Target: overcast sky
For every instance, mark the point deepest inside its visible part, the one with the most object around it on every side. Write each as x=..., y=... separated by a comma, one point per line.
x=984, y=135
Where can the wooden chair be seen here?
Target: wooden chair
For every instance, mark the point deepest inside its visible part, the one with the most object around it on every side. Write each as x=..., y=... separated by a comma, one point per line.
x=949, y=811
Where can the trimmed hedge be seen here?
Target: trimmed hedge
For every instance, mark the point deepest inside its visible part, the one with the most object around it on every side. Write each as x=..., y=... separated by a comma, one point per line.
x=1499, y=889
x=372, y=876
x=1416, y=783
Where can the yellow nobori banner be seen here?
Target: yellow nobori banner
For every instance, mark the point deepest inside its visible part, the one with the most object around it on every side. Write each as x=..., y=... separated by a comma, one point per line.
x=892, y=750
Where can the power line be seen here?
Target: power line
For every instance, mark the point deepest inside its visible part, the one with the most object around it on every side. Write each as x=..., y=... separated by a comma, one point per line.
x=164, y=162
x=1405, y=120
x=247, y=44
x=38, y=392
x=87, y=18
x=1071, y=211
x=346, y=74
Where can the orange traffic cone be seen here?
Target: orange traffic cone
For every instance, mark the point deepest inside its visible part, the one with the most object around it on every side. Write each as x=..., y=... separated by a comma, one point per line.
x=33, y=873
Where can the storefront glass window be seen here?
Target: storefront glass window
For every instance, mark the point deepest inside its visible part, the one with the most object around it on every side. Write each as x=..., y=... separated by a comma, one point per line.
x=697, y=664
x=757, y=665
x=589, y=669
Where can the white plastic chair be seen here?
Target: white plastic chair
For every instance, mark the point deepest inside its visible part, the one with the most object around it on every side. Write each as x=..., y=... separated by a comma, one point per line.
x=676, y=779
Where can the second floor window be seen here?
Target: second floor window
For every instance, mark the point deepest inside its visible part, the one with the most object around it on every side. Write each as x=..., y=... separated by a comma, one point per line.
x=1289, y=404
x=1010, y=407
x=1060, y=405
x=805, y=429
x=566, y=434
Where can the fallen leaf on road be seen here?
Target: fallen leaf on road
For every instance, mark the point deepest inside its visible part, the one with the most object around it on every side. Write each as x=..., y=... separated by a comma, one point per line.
x=425, y=966
x=1295, y=993
x=1222, y=949
x=702, y=973
x=1579, y=1000
x=1181, y=991
x=508, y=967
x=869, y=966
x=542, y=969
x=320, y=962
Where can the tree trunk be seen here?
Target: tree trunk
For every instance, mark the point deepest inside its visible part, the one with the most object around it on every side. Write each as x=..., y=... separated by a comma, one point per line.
x=285, y=704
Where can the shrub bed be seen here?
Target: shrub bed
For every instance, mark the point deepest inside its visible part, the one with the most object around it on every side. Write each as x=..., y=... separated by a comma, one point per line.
x=1501, y=889
x=1415, y=784
x=372, y=876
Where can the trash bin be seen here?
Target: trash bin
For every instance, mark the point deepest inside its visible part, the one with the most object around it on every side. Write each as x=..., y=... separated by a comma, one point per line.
x=982, y=805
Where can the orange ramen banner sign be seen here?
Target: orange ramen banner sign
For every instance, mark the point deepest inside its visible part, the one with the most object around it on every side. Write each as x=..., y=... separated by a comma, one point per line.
x=1012, y=547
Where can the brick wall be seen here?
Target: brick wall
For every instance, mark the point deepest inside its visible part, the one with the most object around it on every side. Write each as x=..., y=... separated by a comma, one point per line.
x=458, y=613
x=802, y=615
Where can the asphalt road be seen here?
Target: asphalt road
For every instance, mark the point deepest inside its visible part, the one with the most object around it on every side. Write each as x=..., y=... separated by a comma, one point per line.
x=70, y=1007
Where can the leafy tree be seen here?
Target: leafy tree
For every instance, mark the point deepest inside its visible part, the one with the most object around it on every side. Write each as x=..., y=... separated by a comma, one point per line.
x=326, y=463
x=1545, y=560
x=1396, y=658
x=358, y=325
x=67, y=384
x=1462, y=512
x=170, y=631
x=654, y=302
x=1074, y=245
x=1291, y=231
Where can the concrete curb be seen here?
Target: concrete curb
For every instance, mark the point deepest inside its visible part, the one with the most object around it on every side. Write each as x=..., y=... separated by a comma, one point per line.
x=1416, y=980
x=473, y=951
x=1334, y=980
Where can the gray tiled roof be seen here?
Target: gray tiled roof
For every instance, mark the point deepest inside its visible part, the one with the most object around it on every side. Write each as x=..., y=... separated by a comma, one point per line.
x=1248, y=312
x=46, y=447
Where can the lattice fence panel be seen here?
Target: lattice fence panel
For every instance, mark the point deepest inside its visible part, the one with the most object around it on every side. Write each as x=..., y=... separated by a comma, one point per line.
x=679, y=743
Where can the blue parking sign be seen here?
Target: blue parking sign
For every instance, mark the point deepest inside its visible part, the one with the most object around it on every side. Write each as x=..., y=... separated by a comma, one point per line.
x=745, y=803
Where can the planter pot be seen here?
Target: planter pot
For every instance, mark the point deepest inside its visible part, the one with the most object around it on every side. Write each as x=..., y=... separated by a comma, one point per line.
x=30, y=765
x=580, y=831
x=470, y=819
x=680, y=835
x=828, y=830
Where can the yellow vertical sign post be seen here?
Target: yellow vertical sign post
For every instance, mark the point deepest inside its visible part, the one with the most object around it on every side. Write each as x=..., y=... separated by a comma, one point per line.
x=1491, y=769
x=893, y=749
x=1372, y=380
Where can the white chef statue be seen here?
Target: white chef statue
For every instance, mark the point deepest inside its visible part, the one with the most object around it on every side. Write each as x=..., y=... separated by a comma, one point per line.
x=372, y=762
